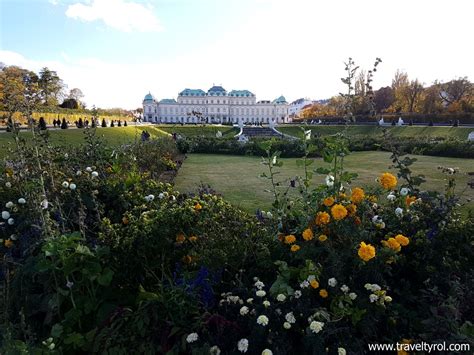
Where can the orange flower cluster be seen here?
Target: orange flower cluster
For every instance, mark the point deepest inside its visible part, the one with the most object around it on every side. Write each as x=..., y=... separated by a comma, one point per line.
x=338, y=212
x=308, y=234
x=322, y=218
x=388, y=181
x=357, y=195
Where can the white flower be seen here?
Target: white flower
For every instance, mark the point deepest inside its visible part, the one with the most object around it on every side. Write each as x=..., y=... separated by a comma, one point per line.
x=243, y=345
x=72, y=186
x=161, y=196
x=244, y=310
x=214, y=350
x=94, y=174
x=380, y=225
x=260, y=293
x=269, y=215
x=149, y=198
x=297, y=294
x=191, y=338
x=266, y=303
x=262, y=320
x=373, y=298
x=281, y=297
x=399, y=211
x=274, y=161
x=345, y=288
x=259, y=285
x=304, y=284
x=65, y=184
x=404, y=191
x=78, y=173
x=250, y=300
x=267, y=352
x=311, y=278
x=286, y=325
x=13, y=237
x=341, y=351
x=11, y=221
x=88, y=169
x=316, y=327
x=332, y=282
x=69, y=284
x=21, y=201
x=376, y=287
x=352, y=296
x=9, y=204
x=376, y=219
x=391, y=197
x=329, y=181
x=8, y=184
x=5, y=214
x=290, y=318
x=388, y=299
x=44, y=204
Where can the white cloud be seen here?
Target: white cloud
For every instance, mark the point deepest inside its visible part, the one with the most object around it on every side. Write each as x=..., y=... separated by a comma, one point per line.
x=121, y=15
x=53, y=2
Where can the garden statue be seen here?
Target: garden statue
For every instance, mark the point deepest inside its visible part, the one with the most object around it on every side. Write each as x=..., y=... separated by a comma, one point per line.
x=470, y=137
x=381, y=122
x=400, y=122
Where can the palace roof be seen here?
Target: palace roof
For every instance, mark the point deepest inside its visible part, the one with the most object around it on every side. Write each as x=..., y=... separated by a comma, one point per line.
x=192, y=92
x=241, y=93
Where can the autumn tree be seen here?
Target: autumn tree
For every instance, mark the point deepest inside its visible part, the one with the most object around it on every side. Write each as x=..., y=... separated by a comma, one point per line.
x=412, y=94
x=51, y=87
x=456, y=91
x=384, y=98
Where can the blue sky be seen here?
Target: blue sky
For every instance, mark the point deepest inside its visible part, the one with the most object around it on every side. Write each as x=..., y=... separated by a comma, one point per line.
x=118, y=50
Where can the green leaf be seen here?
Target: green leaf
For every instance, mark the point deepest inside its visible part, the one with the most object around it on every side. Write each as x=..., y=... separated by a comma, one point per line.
x=106, y=277
x=57, y=330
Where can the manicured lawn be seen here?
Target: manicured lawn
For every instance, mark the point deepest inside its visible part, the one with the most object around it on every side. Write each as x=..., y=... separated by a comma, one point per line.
x=405, y=131
x=113, y=136
x=198, y=130
x=236, y=177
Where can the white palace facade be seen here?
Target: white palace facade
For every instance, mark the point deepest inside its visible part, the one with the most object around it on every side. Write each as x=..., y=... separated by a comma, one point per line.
x=215, y=106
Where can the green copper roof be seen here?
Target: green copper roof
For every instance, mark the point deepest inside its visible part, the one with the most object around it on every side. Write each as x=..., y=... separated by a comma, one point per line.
x=149, y=97
x=167, y=101
x=192, y=92
x=280, y=100
x=241, y=93
x=217, y=91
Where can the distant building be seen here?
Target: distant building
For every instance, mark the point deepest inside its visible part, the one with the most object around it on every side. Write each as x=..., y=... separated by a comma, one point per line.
x=215, y=106
x=297, y=106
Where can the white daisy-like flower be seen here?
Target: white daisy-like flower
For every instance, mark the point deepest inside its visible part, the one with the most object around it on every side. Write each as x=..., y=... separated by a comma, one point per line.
x=341, y=351
x=161, y=195
x=9, y=204
x=344, y=288
x=21, y=201
x=373, y=298
x=244, y=310
x=391, y=197
x=11, y=221
x=332, y=282
x=281, y=297
x=260, y=293
x=8, y=184
x=376, y=219
x=352, y=296
x=243, y=345
x=286, y=325
x=290, y=318
x=72, y=186
x=78, y=173
x=191, y=338
x=65, y=184
x=404, y=191
x=259, y=285
x=266, y=303
x=399, y=211
x=267, y=352
x=316, y=326
x=94, y=174
x=262, y=320
x=88, y=169
x=298, y=294
x=329, y=181
x=149, y=198
x=304, y=284
x=214, y=350
x=5, y=214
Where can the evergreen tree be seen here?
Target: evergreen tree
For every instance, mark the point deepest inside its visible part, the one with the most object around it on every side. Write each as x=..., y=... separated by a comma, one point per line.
x=104, y=124
x=80, y=124
x=125, y=123
x=93, y=122
x=64, y=124
x=119, y=123
x=112, y=123
x=42, y=124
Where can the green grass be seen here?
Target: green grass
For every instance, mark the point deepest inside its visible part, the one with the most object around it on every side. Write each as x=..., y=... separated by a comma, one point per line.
x=113, y=136
x=406, y=131
x=207, y=131
x=236, y=177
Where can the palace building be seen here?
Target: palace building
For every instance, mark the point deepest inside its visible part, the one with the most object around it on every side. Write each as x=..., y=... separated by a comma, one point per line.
x=215, y=106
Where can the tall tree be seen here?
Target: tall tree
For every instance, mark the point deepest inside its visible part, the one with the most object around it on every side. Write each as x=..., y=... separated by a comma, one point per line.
x=412, y=94
x=384, y=98
x=51, y=87
x=456, y=91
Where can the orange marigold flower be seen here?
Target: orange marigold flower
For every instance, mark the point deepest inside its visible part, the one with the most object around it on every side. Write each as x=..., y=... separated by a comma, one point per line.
x=351, y=209
x=295, y=248
x=409, y=200
x=180, y=238
x=323, y=293
x=388, y=181
x=392, y=243
x=290, y=239
x=8, y=243
x=308, y=234
x=338, y=212
x=366, y=251
x=197, y=206
x=314, y=284
x=402, y=240
x=357, y=195
x=193, y=238
x=328, y=201
x=323, y=237
x=322, y=218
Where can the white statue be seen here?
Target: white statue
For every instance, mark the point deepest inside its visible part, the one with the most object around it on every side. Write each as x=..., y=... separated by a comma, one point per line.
x=400, y=122
x=381, y=122
x=470, y=137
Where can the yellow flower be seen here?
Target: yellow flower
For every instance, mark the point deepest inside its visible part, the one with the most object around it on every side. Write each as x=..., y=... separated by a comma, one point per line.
x=193, y=238
x=357, y=195
x=388, y=181
x=8, y=243
x=392, y=243
x=366, y=251
x=308, y=234
x=322, y=218
x=9, y=172
x=295, y=248
x=328, y=201
x=323, y=293
x=323, y=237
x=351, y=209
x=180, y=238
x=290, y=239
x=197, y=206
x=402, y=240
x=372, y=198
x=409, y=200
x=338, y=212
x=314, y=284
